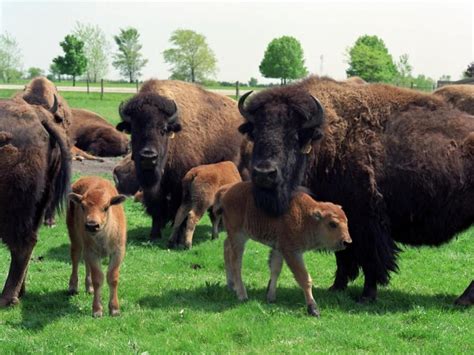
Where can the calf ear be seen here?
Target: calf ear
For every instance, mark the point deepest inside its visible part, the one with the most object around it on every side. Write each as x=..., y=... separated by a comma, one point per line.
x=117, y=199
x=124, y=127
x=317, y=215
x=75, y=198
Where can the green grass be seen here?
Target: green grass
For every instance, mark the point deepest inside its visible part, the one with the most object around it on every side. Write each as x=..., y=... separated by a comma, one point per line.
x=177, y=300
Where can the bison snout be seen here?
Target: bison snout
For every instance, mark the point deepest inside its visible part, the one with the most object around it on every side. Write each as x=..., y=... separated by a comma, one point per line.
x=265, y=177
x=92, y=226
x=148, y=158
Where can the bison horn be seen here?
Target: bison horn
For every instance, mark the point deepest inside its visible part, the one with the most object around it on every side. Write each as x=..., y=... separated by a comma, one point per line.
x=175, y=115
x=242, y=110
x=317, y=119
x=122, y=115
x=54, y=108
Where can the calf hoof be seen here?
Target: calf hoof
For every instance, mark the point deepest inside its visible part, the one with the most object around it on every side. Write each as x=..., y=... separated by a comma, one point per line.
x=313, y=311
x=7, y=302
x=243, y=298
x=114, y=312
x=90, y=290
x=187, y=245
x=72, y=292
x=97, y=314
x=172, y=244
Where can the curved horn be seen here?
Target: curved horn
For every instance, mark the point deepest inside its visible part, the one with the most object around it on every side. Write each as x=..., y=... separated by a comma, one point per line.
x=242, y=110
x=54, y=108
x=175, y=115
x=121, y=114
x=316, y=119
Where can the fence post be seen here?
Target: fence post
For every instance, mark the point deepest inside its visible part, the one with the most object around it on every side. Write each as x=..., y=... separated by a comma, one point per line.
x=136, y=81
x=237, y=91
x=411, y=85
x=87, y=82
x=101, y=89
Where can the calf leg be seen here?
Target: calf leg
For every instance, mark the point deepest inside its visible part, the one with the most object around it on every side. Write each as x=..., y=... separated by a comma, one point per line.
x=228, y=264
x=88, y=279
x=97, y=281
x=193, y=218
x=180, y=218
x=113, y=279
x=76, y=251
x=296, y=264
x=16, y=275
x=237, y=247
x=275, y=262
x=216, y=221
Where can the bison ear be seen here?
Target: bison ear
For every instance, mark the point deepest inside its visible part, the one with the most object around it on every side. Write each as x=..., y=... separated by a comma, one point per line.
x=75, y=198
x=174, y=127
x=246, y=128
x=117, y=199
x=317, y=215
x=124, y=127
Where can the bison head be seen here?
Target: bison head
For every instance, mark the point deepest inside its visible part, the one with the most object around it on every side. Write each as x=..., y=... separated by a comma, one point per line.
x=152, y=120
x=125, y=178
x=283, y=124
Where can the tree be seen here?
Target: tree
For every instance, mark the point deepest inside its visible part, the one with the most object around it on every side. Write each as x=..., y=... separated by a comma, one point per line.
x=469, y=73
x=54, y=71
x=191, y=58
x=33, y=72
x=128, y=60
x=284, y=59
x=253, y=82
x=445, y=77
x=369, y=59
x=96, y=48
x=10, y=58
x=404, y=69
x=74, y=61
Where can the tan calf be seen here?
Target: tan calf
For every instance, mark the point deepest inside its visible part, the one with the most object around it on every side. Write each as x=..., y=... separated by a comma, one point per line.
x=307, y=225
x=200, y=185
x=97, y=228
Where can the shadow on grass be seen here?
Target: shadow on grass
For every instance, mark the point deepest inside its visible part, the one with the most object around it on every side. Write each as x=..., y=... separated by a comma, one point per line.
x=40, y=309
x=60, y=253
x=216, y=298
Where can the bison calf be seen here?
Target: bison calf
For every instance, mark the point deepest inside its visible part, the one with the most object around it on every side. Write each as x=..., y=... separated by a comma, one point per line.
x=96, y=224
x=307, y=225
x=200, y=185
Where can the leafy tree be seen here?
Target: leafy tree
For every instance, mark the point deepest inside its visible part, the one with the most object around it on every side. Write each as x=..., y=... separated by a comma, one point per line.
x=10, y=58
x=191, y=58
x=253, y=81
x=55, y=73
x=284, y=59
x=469, y=73
x=96, y=49
x=128, y=60
x=369, y=58
x=445, y=77
x=74, y=61
x=422, y=82
x=33, y=72
x=404, y=75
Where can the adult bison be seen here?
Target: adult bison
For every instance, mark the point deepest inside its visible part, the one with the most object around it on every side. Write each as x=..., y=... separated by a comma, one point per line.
x=92, y=133
x=400, y=162
x=35, y=170
x=176, y=126
x=460, y=96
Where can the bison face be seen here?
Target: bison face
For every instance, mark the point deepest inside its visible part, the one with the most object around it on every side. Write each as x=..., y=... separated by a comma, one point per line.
x=152, y=120
x=125, y=178
x=283, y=127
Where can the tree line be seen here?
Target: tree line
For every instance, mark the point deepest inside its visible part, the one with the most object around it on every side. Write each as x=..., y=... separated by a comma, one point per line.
x=86, y=53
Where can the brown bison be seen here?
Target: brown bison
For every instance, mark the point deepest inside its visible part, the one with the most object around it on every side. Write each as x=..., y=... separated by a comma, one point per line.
x=307, y=225
x=400, y=162
x=176, y=126
x=92, y=133
x=125, y=177
x=35, y=161
x=460, y=96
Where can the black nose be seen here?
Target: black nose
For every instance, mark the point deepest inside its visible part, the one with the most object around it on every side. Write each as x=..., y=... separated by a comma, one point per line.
x=148, y=154
x=264, y=176
x=345, y=244
x=92, y=226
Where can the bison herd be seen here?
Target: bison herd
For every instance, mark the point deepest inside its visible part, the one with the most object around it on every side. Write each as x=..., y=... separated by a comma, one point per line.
x=393, y=165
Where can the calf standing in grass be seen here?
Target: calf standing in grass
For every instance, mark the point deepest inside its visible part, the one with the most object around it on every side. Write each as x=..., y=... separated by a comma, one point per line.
x=307, y=225
x=97, y=228
x=200, y=185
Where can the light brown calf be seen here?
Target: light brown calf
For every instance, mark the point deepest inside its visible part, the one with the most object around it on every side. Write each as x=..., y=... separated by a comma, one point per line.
x=307, y=225
x=200, y=185
x=97, y=228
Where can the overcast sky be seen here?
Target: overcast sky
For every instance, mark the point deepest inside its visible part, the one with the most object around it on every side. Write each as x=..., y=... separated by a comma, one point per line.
x=437, y=35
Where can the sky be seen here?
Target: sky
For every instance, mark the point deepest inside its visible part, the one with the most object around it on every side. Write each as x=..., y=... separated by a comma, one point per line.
x=437, y=35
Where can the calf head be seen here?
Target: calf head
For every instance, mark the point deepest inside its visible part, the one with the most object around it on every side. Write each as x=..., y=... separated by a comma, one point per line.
x=95, y=205
x=328, y=225
x=152, y=121
x=283, y=125
x=125, y=177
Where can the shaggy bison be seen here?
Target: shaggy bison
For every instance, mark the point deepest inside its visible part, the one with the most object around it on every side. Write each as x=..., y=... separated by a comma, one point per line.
x=176, y=126
x=92, y=133
x=35, y=161
x=460, y=96
x=400, y=162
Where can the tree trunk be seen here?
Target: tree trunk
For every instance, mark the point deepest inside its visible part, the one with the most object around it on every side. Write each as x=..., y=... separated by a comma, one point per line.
x=131, y=77
x=192, y=75
x=73, y=80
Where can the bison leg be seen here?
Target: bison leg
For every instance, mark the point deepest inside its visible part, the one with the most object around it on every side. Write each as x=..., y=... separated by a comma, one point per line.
x=347, y=269
x=276, y=263
x=177, y=225
x=16, y=274
x=228, y=265
x=467, y=298
x=76, y=251
x=237, y=247
x=49, y=220
x=113, y=279
x=97, y=281
x=296, y=264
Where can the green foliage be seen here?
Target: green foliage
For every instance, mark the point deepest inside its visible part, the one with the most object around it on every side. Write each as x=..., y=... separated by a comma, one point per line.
x=74, y=62
x=191, y=58
x=445, y=77
x=129, y=59
x=284, y=59
x=422, y=82
x=253, y=81
x=469, y=73
x=55, y=72
x=10, y=58
x=33, y=72
x=96, y=50
x=369, y=59
x=404, y=71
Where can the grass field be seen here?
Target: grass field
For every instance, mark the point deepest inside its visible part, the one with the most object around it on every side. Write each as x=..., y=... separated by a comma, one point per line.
x=177, y=300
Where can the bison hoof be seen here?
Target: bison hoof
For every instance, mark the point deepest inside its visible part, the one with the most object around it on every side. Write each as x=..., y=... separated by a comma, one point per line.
x=7, y=302
x=114, y=312
x=97, y=314
x=337, y=288
x=172, y=244
x=50, y=222
x=313, y=311
x=467, y=298
x=72, y=292
x=365, y=299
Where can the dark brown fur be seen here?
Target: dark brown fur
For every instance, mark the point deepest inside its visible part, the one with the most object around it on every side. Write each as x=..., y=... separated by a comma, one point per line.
x=125, y=177
x=460, y=96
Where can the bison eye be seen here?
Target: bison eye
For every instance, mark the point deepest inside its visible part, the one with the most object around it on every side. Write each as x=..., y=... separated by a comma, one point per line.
x=333, y=225
x=163, y=132
x=247, y=129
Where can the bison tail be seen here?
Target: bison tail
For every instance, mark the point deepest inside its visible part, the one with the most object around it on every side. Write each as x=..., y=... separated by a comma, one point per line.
x=62, y=176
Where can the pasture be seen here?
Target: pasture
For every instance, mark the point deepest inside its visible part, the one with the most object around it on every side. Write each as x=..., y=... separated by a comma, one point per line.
x=178, y=301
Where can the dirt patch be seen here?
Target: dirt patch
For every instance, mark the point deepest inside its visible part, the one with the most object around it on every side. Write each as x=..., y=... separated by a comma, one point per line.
x=91, y=167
